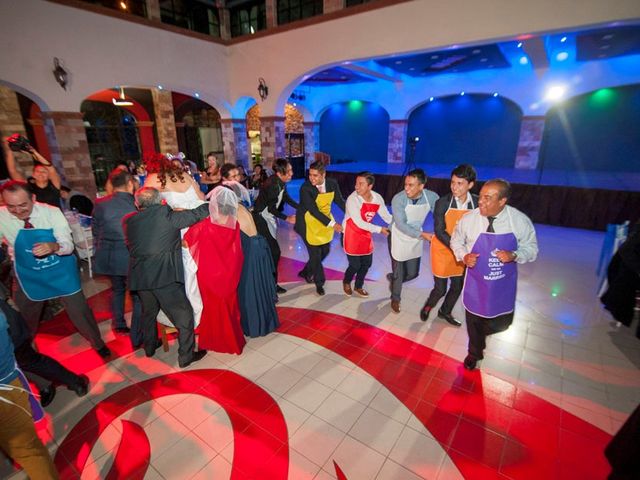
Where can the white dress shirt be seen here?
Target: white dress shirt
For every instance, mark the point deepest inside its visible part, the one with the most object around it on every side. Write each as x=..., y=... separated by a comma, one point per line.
x=509, y=220
x=353, y=211
x=42, y=216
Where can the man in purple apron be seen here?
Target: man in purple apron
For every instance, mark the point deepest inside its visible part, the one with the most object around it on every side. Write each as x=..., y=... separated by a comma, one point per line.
x=490, y=241
x=40, y=243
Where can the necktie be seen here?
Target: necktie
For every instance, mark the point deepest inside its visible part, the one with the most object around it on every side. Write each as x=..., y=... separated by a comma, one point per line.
x=490, y=227
x=27, y=223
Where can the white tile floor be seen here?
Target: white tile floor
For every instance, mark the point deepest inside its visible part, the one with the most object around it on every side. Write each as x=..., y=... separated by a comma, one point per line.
x=562, y=348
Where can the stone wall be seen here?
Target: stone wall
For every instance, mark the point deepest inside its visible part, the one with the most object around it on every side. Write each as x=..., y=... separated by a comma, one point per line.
x=531, y=132
x=397, y=141
x=165, y=121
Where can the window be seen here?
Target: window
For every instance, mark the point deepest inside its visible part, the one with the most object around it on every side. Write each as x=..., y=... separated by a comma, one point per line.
x=248, y=18
x=192, y=15
x=292, y=10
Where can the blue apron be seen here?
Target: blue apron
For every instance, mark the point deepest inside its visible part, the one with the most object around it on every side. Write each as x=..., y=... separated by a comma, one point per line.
x=490, y=286
x=47, y=277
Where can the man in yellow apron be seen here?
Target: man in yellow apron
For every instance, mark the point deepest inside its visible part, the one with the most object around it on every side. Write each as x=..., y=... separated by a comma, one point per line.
x=449, y=209
x=410, y=209
x=314, y=222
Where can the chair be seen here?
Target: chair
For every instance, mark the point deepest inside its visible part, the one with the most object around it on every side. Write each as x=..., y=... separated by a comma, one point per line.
x=82, y=236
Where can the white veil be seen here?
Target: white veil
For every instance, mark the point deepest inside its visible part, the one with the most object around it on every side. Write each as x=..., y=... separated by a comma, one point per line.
x=223, y=207
x=241, y=192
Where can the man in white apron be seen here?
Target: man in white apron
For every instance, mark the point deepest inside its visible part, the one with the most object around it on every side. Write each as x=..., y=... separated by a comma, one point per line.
x=449, y=210
x=362, y=206
x=40, y=243
x=410, y=209
x=314, y=222
x=268, y=206
x=490, y=241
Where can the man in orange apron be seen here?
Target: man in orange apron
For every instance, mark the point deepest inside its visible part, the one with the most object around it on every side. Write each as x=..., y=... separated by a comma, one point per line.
x=314, y=222
x=362, y=207
x=449, y=209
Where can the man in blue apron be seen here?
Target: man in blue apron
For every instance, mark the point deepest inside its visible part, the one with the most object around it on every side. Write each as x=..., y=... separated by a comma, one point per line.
x=40, y=243
x=410, y=208
x=490, y=241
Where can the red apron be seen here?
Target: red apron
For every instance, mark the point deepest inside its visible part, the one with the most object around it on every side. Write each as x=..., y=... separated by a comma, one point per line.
x=356, y=240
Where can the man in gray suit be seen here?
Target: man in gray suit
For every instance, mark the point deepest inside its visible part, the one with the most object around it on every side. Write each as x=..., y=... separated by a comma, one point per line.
x=111, y=254
x=156, y=271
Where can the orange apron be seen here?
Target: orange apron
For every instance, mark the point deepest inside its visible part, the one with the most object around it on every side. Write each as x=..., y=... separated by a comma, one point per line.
x=358, y=241
x=443, y=262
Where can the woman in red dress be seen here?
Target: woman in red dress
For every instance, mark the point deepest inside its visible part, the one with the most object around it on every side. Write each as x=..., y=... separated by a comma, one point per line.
x=215, y=245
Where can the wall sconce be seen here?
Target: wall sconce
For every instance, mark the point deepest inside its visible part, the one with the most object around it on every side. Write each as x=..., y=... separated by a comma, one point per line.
x=122, y=102
x=59, y=73
x=263, y=90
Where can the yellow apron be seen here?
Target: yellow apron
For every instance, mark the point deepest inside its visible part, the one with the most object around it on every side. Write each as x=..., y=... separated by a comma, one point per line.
x=443, y=262
x=317, y=233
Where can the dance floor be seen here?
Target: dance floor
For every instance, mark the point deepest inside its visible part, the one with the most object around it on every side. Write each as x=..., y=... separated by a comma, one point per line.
x=347, y=389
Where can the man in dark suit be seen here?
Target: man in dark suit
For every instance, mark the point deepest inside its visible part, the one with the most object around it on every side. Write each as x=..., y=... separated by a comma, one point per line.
x=156, y=271
x=111, y=254
x=314, y=222
x=272, y=197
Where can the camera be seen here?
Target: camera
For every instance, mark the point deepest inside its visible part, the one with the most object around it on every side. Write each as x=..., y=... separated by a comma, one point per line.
x=18, y=143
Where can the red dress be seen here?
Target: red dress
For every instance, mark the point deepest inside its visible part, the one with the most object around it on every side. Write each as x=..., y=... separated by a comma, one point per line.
x=218, y=253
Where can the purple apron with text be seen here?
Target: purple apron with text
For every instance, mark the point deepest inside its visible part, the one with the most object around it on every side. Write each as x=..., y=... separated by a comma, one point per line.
x=490, y=286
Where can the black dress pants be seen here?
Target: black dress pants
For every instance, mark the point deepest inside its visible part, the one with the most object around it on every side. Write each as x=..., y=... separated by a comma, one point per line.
x=439, y=290
x=43, y=366
x=359, y=265
x=174, y=302
x=314, y=268
x=479, y=327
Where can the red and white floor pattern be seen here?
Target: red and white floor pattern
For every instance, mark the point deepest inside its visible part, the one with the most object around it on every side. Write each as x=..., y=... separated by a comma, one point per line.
x=348, y=390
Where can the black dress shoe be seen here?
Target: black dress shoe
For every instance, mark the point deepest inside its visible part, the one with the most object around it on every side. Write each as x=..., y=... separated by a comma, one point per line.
x=280, y=290
x=320, y=290
x=151, y=352
x=104, y=352
x=470, y=362
x=122, y=329
x=424, y=313
x=47, y=395
x=81, y=387
x=195, y=356
x=450, y=319
x=307, y=278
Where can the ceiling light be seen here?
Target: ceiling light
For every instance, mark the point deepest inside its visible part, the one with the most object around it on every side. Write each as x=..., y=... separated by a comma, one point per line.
x=495, y=94
x=609, y=36
x=523, y=60
x=123, y=5
x=462, y=94
x=519, y=44
x=431, y=99
x=122, y=102
x=556, y=92
x=563, y=39
x=197, y=95
x=159, y=87
x=562, y=56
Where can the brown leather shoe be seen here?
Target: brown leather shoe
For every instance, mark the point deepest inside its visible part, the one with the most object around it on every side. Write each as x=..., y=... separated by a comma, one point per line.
x=361, y=292
x=395, y=306
x=347, y=289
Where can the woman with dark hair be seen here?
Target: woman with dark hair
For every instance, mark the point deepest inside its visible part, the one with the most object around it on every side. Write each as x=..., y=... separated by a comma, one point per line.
x=258, y=178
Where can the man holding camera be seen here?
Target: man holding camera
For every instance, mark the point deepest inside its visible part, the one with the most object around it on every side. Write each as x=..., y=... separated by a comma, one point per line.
x=45, y=181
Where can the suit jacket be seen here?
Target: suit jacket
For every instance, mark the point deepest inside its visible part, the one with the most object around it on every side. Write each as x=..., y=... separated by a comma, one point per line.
x=308, y=195
x=442, y=205
x=111, y=254
x=268, y=197
x=154, y=242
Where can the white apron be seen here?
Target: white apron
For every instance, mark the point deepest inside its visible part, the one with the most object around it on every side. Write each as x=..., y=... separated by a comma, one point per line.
x=271, y=219
x=404, y=247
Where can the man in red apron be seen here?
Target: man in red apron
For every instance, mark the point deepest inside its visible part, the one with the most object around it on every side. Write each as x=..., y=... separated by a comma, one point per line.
x=449, y=209
x=362, y=207
x=490, y=241
x=314, y=222
x=40, y=243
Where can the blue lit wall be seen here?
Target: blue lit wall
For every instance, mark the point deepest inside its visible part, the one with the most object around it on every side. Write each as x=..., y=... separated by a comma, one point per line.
x=596, y=131
x=478, y=129
x=355, y=131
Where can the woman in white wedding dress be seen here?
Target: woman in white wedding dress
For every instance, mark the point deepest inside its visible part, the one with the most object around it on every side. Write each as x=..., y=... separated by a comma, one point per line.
x=181, y=192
